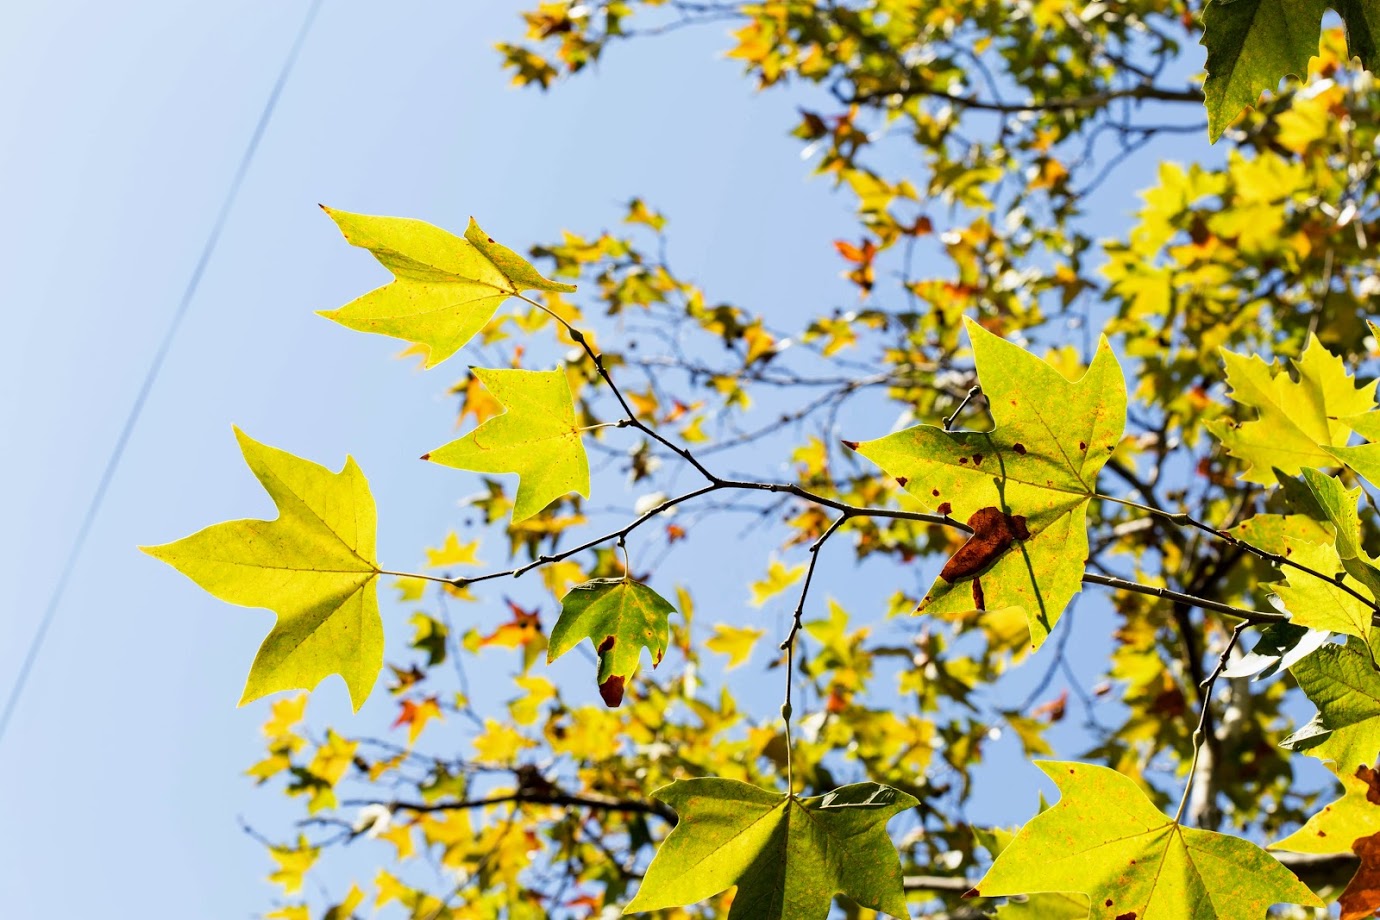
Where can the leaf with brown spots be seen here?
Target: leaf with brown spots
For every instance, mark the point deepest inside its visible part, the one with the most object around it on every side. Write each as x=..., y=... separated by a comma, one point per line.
x=621, y=618
x=1038, y=466
x=1349, y=825
x=1106, y=839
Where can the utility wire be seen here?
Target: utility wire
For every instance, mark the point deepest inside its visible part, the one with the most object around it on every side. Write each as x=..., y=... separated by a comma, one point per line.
x=151, y=376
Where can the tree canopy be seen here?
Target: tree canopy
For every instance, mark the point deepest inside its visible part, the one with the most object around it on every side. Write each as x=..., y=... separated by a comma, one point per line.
x=1180, y=420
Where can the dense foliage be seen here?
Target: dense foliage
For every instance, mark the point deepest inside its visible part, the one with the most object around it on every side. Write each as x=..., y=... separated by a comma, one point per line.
x=1207, y=467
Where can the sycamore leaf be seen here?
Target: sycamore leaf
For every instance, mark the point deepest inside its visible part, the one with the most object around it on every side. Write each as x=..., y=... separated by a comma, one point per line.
x=1106, y=839
x=779, y=578
x=1342, y=681
x=1320, y=604
x=1330, y=546
x=1251, y=46
x=1024, y=486
x=445, y=288
x=314, y=566
x=538, y=437
x=1349, y=825
x=453, y=552
x=620, y=618
x=1363, y=458
x=293, y=864
x=1299, y=421
x=415, y=714
x=788, y=857
x=734, y=641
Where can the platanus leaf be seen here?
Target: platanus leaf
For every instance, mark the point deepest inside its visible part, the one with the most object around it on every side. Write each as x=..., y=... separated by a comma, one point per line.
x=314, y=566
x=1104, y=838
x=620, y=617
x=1024, y=486
x=1349, y=825
x=445, y=288
x=538, y=437
x=788, y=857
x=1298, y=421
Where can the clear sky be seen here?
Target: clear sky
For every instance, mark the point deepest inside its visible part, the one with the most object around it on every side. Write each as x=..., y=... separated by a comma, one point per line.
x=120, y=127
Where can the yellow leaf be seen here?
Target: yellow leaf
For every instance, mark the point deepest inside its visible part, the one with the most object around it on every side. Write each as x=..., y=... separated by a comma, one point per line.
x=445, y=288
x=734, y=641
x=314, y=566
x=293, y=864
x=538, y=437
x=452, y=552
x=778, y=579
x=499, y=743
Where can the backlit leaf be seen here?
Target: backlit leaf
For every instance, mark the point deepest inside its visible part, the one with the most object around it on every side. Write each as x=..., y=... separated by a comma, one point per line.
x=445, y=288
x=314, y=566
x=1251, y=46
x=1024, y=486
x=1298, y=421
x=538, y=437
x=788, y=857
x=1104, y=838
x=1349, y=825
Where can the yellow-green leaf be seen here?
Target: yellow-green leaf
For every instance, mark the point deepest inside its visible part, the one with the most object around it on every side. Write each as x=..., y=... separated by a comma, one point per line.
x=445, y=288
x=1298, y=421
x=538, y=437
x=1024, y=486
x=1342, y=681
x=1105, y=839
x=314, y=566
x=788, y=857
x=1349, y=825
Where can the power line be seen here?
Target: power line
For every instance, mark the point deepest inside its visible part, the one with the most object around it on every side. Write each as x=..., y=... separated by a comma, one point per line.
x=151, y=376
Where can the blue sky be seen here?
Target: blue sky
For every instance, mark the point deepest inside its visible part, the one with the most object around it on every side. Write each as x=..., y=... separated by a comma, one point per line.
x=120, y=127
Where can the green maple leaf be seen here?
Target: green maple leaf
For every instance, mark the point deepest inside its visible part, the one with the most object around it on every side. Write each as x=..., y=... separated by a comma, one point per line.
x=620, y=618
x=1349, y=825
x=1300, y=421
x=538, y=438
x=788, y=857
x=445, y=288
x=1024, y=486
x=1343, y=683
x=1104, y=838
x=314, y=566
